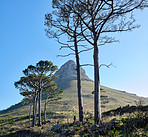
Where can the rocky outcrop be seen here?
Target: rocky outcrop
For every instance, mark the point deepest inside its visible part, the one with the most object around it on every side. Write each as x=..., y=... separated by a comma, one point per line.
x=68, y=71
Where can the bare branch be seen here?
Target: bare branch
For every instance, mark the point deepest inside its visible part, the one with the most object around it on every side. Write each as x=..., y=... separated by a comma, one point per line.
x=86, y=65
x=85, y=50
x=108, y=66
x=66, y=55
x=66, y=47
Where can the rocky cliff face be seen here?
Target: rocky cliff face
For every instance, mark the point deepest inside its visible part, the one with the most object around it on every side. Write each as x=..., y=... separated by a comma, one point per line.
x=68, y=71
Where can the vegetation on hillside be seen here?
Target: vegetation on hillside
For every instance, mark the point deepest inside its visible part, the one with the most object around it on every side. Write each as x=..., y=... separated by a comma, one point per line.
x=132, y=122
x=83, y=21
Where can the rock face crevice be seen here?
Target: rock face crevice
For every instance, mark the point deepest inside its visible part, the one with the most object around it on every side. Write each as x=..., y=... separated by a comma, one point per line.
x=68, y=71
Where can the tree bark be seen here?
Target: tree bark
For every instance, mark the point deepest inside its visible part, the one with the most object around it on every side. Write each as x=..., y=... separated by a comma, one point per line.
x=45, y=111
x=80, y=101
x=39, y=121
x=34, y=111
x=97, y=105
x=30, y=115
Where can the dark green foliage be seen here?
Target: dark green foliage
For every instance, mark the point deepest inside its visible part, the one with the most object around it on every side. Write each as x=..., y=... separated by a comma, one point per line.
x=52, y=92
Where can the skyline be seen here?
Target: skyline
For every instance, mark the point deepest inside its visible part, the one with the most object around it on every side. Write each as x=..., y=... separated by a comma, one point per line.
x=23, y=42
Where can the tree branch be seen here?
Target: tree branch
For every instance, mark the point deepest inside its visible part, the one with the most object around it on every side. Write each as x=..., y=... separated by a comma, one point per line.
x=108, y=66
x=66, y=55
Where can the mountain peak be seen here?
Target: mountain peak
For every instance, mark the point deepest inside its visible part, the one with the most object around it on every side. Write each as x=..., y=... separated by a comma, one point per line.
x=70, y=62
x=68, y=71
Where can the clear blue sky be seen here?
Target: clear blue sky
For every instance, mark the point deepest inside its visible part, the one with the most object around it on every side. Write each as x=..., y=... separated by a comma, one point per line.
x=23, y=42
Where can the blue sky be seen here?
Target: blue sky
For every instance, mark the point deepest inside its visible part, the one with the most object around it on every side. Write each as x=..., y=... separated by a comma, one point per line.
x=23, y=42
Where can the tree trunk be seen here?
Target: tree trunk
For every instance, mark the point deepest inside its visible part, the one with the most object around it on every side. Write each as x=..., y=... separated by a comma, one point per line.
x=80, y=102
x=33, y=120
x=39, y=121
x=97, y=105
x=30, y=115
x=34, y=111
x=45, y=111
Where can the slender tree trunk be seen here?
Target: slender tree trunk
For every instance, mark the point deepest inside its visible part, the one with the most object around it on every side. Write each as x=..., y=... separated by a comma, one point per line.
x=97, y=105
x=30, y=115
x=80, y=101
x=45, y=111
x=35, y=118
x=34, y=111
x=39, y=121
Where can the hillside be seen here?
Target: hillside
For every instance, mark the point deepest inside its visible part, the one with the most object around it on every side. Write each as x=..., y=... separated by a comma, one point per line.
x=124, y=120
x=67, y=82
x=116, y=98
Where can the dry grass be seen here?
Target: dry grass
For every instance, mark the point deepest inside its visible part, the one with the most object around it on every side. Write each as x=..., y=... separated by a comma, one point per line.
x=129, y=123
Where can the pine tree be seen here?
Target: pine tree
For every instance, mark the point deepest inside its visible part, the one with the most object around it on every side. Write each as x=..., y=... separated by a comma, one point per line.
x=36, y=79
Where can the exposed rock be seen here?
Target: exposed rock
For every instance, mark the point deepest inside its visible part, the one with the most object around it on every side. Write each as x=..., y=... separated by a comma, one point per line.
x=56, y=127
x=68, y=71
x=94, y=127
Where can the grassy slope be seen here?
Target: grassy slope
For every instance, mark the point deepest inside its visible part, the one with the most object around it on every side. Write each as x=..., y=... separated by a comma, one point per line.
x=16, y=118
x=116, y=99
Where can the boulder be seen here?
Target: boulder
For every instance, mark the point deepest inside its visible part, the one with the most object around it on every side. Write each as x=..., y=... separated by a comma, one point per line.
x=56, y=127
